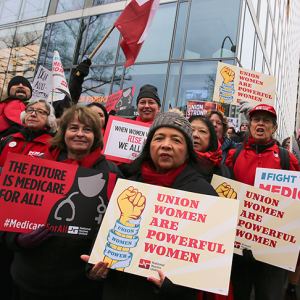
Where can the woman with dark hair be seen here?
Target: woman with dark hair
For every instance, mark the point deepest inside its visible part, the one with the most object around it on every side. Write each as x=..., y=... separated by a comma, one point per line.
x=101, y=111
x=208, y=148
x=49, y=267
x=221, y=126
x=168, y=160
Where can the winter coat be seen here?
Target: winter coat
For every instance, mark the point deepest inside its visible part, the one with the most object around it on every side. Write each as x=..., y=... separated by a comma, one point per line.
x=124, y=286
x=227, y=145
x=54, y=267
x=10, y=110
x=249, y=159
x=26, y=142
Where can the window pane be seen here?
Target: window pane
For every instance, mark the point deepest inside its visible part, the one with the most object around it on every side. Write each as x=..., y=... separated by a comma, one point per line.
x=259, y=57
x=269, y=37
x=139, y=75
x=198, y=77
x=158, y=42
x=180, y=30
x=67, y=5
x=209, y=25
x=97, y=83
x=44, y=44
x=81, y=37
x=33, y=8
x=247, y=43
x=99, y=2
x=26, y=49
x=99, y=26
x=117, y=79
x=172, y=86
x=263, y=17
x=9, y=11
x=254, y=3
x=63, y=39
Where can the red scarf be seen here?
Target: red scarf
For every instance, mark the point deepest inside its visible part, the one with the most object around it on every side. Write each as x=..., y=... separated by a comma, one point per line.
x=140, y=120
x=209, y=160
x=221, y=140
x=152, y=177
x=252, y=141
x=88, y=161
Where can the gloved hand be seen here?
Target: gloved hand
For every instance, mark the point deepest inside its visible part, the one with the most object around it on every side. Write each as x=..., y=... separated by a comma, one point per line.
x=83, y=68
x=245, y=108
x=112, y=113
x=34, y=238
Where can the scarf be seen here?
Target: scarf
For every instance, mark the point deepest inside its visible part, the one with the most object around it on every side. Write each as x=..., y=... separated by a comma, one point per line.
x=140, y=120
x=151, y=176
x=88, y=160
x=260, y=147
x=210, y=159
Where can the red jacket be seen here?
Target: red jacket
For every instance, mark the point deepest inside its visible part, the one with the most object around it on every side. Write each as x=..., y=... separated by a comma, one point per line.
x=248, y=160
x=26, y=142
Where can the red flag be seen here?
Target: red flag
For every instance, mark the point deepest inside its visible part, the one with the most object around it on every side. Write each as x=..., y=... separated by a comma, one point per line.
x=134, y=24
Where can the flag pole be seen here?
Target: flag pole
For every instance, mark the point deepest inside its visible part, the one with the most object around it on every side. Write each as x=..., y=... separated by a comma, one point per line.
x=102, y=41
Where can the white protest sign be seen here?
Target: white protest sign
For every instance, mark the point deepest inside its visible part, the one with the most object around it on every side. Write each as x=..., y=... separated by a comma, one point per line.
x=58, y=75
x=286, y=183
x=42, y=83
x=124, y=139
x=233, y=122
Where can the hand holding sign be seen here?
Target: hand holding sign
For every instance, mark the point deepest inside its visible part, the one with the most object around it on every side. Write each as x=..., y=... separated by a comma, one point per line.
x=34, y=238
x=224, y=190
x=131, y=204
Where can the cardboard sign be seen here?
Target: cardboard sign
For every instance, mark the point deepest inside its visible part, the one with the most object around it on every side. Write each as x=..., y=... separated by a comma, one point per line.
x=196, y=108
x=70, y=200
x=268, y=224
x=286, y=183
x=234, y=84
x=124, y=139
x=120, y=100
x=188, y=236
x=42, y=85
x=294, y=148
x=58, y=75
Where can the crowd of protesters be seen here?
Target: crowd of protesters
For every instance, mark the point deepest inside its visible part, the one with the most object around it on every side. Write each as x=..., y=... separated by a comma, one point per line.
x=179, y=153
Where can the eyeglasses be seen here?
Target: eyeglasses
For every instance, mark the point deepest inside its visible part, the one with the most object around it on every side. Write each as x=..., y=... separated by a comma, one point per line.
x=39, y=112
x=265, y=120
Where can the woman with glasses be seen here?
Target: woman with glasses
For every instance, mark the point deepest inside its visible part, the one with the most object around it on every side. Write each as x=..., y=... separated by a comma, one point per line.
x=40, y=126
x=260, y=151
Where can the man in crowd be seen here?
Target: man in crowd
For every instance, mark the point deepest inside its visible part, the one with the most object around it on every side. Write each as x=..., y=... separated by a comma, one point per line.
x=231, y=132
x=19, y=91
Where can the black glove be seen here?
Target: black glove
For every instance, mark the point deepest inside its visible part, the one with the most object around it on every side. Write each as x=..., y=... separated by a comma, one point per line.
x=34, y=238
x=112, y=113
x=83, y=68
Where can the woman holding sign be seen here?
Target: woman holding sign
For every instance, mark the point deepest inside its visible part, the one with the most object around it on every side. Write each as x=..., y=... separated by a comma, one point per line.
x=261, y=151
x=46, y=266
x=168, y=159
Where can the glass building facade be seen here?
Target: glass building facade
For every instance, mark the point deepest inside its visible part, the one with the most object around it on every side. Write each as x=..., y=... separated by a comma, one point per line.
x=179, y=56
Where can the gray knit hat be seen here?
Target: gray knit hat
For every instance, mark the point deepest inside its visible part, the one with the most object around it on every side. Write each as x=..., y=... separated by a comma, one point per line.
x=173, y=120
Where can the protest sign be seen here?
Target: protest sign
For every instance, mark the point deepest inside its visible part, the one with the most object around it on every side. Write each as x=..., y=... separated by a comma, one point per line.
x=196, y=108
x=294, y=148
x=58, y=75
x=220, y=108
x=268, y=224
x=42, y=83
x=124, y=139
x=234, y=84
x=120, y=100
x=56, y=95
x=186, y=235
x=68, y=199
x=286, y=183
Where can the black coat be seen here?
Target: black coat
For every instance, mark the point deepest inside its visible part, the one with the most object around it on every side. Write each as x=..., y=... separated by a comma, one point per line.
x=124, y=286
x=54, y=267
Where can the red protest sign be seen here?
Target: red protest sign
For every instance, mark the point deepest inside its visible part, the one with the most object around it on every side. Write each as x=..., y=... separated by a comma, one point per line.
x=120, y=100
x=124, y=139
x=66, y=198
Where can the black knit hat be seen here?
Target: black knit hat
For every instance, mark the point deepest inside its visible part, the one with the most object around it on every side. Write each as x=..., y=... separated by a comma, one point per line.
x=148, y=91
x=173, y=120
x=18, y=80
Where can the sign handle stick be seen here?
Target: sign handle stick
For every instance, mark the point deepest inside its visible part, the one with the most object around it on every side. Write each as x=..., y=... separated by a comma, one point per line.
x=52, y=98
x=102, y=41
